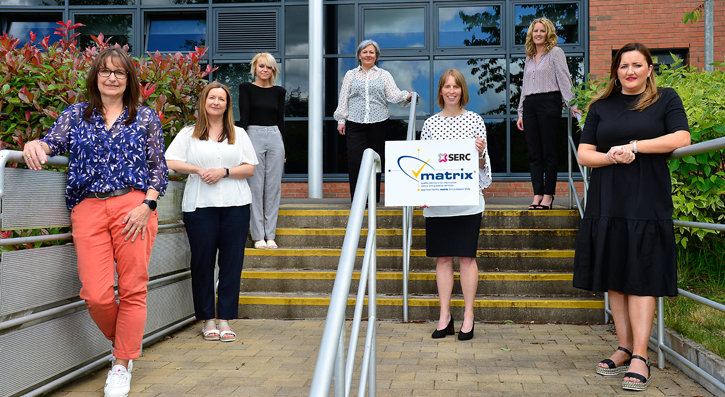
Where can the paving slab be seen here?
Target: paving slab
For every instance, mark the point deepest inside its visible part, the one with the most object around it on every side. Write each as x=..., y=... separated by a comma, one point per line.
x=277, y=358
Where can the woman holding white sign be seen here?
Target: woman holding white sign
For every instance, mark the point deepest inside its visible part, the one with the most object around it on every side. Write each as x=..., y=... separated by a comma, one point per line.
x=455, y=122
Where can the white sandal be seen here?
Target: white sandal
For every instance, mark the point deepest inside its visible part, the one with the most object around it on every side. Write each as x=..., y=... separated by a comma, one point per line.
x=260, y=245
x=210, y=331
x=271, y=244
x=223, y=333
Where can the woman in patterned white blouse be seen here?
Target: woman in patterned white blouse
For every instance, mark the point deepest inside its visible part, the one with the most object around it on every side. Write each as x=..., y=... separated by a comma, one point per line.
x=455, y=122
x=362, y=112
x=546, y=81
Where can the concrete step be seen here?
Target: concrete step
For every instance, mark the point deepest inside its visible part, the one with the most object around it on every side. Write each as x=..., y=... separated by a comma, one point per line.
x=392, y=259
x=522, y=239
x=392, y=218
x=422, y=283
x=426, y=307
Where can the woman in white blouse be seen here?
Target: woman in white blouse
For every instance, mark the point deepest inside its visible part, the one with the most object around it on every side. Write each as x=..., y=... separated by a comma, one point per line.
x=362, y=111
x=453, y=230
x=546, y=82
x=218, y=157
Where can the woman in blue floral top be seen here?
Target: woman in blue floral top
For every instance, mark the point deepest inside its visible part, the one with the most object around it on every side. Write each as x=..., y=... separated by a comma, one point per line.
x=116, y=172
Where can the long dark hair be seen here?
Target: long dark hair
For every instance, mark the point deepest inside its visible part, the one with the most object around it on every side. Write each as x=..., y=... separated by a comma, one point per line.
x=130, y=95
x=201, y=129
x=650, y=94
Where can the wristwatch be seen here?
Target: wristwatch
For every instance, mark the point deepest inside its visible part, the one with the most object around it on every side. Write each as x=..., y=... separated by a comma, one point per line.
x=150, y=203
x=227, y=175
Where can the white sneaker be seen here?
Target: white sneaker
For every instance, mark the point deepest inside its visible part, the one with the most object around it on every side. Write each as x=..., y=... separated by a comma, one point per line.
x=130, y=363
x=118, y=382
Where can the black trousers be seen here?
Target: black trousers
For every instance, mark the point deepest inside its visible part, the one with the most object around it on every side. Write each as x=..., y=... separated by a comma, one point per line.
x=542, y=116
x=211, y=229
x=360, y=137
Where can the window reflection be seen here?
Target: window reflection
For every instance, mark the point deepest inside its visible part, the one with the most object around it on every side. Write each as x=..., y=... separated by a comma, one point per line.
x=176, y=35
x=33, y=3
x=102, y=3
x=496, y=143
x=516, y=70
x=297, y=84
x=339, y=29
x=564, y=16
x=469, y=26
x=296, y=31
x=172, y=2
x=486, y=80
x=396, y=27
x=410, y=76
x=335, y=69
x=21, y=30
x=295, y=143
x=117, y=26
x=232, y=75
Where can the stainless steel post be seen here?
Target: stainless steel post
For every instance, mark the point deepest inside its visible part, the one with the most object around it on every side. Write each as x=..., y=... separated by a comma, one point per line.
x=660, y=332
x=314, y=125
x=339, y=376
x=709, y=35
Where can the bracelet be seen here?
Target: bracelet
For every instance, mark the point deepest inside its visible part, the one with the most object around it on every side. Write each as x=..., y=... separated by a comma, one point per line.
x=634, y=146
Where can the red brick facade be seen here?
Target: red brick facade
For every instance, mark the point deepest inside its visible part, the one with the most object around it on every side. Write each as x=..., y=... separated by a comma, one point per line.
x=654, y=23
x=497, y=189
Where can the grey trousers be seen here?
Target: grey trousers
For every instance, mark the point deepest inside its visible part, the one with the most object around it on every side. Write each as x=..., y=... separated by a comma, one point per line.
x=266, y=184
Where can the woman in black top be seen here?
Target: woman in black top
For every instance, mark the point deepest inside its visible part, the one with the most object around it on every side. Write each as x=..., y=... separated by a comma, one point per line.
x=626, y=241
x=261, y=106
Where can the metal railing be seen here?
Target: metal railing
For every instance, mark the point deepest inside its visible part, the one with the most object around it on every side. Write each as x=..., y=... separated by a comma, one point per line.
x=331, y=357
x=408, y=216
x=692, y=150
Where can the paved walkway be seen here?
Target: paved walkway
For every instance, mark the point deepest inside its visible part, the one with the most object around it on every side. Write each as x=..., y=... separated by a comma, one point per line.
x=277, y=358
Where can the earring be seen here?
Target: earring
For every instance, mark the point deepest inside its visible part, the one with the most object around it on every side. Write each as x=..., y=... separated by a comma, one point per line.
x=617, y=81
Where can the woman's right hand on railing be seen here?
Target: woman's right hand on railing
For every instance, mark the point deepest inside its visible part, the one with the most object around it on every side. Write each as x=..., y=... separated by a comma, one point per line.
x=35, y=154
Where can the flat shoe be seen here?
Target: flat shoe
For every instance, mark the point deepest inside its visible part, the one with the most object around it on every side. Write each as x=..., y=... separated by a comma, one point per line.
x=271, y=244
x=260, y=245
x=613, y=368
x=224, y=333
x=208, y=331
x=644, y=382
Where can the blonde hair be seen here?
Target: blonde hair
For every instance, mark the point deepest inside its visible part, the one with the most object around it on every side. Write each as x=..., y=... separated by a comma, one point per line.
x=268, y=60
x=201, y=129
x=551, y=37
x=650, y=94
x=460, y=81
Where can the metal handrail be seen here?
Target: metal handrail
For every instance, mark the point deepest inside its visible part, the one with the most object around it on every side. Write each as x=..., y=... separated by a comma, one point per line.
x=691, y=150
x=408, y=216
x=331, y=353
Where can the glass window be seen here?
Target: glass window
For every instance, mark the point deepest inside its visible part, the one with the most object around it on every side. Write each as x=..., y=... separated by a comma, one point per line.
x=296, y=32
x=496, y=143
x=33, y=3
x=396, y=27
x=410, y=76
x=119, y=27
x=172, y=2
x=564, y=16
x=171, y=35
x=295, y=143
x=102, y=3
x=232, y=75
x=244, y=1
x=21, y=29
x=335, y=69
x=339, y=29
x=469, y=26
x=486, y=81
x=297, y=84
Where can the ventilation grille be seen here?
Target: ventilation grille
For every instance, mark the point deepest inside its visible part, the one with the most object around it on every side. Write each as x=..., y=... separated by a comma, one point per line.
x=247, y=32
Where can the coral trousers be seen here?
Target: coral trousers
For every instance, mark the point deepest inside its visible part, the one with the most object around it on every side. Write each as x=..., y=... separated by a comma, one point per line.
x=97, y=226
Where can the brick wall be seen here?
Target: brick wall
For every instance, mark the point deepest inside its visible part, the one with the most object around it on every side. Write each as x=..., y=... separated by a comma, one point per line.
x=497, y=189
x=654, y=23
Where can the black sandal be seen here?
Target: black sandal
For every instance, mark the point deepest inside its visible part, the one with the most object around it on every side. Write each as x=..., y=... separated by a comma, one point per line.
x=613, y=368
x=643, y=383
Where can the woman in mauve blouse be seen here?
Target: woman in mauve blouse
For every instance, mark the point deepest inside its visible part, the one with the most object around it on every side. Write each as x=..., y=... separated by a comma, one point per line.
x=546, y=82
x=219, y=158
x=362, y=111
x=116, y=171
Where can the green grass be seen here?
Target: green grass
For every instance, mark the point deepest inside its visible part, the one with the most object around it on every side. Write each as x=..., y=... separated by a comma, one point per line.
x=701, y=270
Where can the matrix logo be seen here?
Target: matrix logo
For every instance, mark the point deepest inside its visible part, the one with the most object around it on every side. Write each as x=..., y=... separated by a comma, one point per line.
x=445, y=157
x=415, y=166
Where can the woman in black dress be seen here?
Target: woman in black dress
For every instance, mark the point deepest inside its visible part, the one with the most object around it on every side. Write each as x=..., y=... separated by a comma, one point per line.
x=626, y=241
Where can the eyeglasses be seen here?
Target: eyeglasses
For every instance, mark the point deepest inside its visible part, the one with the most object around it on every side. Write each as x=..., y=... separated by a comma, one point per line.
x=120, y=74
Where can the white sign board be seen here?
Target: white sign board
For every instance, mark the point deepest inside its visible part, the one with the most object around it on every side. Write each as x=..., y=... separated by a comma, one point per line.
x=432, y=172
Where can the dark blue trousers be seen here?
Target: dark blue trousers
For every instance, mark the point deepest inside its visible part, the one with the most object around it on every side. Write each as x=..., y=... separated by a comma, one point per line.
x=222, y=229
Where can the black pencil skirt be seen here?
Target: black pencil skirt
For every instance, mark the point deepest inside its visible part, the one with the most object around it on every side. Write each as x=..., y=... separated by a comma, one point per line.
x=452, y=235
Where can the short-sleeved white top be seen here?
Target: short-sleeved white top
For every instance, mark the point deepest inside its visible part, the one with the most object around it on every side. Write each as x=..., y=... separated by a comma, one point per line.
x=227, y=192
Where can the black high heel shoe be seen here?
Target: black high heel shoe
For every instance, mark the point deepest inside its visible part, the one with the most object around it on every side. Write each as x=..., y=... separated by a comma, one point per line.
x=466, y=335
x=442, y=333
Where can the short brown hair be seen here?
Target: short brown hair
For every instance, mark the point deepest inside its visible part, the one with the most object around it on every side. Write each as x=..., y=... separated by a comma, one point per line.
x=460, y=81
x=201, y=129
x=130, y=95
